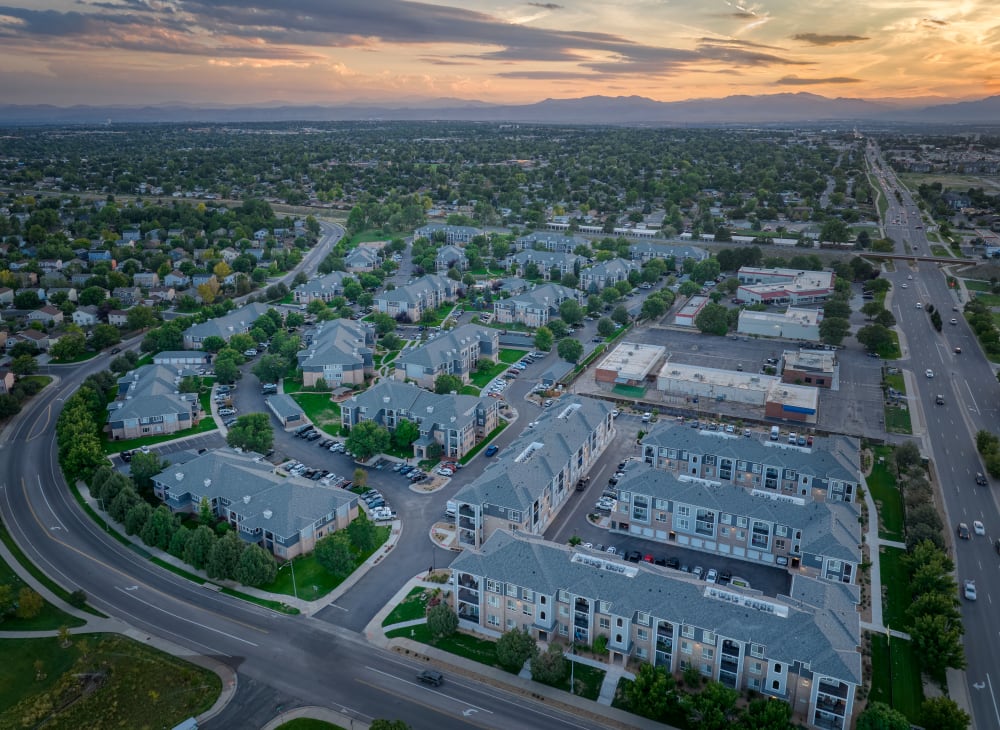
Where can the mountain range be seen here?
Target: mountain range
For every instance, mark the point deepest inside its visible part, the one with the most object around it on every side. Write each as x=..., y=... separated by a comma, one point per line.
x=788, y=108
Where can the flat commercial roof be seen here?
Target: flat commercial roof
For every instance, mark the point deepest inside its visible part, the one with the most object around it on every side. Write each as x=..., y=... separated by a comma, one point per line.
x=792, y=315
x=718, y=377
x=800, y=398
x=817, y=361
x=632, y=361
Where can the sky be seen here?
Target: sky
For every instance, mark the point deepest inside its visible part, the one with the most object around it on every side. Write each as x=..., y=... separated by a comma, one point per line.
x=67, y=52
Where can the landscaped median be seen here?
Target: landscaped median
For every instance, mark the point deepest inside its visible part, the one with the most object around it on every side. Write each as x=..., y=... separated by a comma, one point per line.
x=897, y=411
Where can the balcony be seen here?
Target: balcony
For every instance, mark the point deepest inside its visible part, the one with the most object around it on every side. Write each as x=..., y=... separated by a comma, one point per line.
x=468, y=613
x=729, y=665
x=834, y=707
x=466, y=524
x=663, y=644
x=464, y=594
x=828, y=722
x=838, y=690
x=663, y=659
x=466, y=511
x=467, y=581
x=467, y=537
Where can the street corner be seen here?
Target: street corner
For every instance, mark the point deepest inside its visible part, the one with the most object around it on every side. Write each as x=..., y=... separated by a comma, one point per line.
x=444, y=536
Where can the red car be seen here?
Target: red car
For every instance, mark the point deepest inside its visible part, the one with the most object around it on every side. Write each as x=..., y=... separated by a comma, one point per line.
x=648, y=558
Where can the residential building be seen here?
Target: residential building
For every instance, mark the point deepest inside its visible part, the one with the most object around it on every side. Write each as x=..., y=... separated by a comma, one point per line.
x=605, y=274
x=514, y=285
x=40, y=340
x=177, y=279
x=187, y=358
x=410, y=301
x=549, y=241
x=323, y=288
x=449, y=424
x=783, y=286
x=630, y=363
x=47, y=315
x=450, y=256
x=455, y=352
x=802, y=648
x=86, y=316
x=289, y=413
x=340, y=352
x=148, y=404
x=128, y=296
x=546, y=262
x=809, y=367
x=362, y=258
x=535, y=307
x=531, y=480
x=6, y=295
x=643, y=252
x=238, y=321
x=202, y=279
x=146, y=279
x=447, y=234
x=795, y=323
x=118, y=317
x=284, y=514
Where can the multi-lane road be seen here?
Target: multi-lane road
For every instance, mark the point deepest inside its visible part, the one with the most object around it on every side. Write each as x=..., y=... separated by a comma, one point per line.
x=971, y=393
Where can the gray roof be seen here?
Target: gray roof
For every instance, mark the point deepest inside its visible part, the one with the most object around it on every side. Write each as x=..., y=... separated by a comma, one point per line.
x=461, y=231
x=446, y=346
x=333, y=281
x=363, y=255
x=339, y=341
x=546, y=237
x=192, y=355
x=150, y=391
x=284, y=405
x=265, y=500
x=550, y=295
x=416, y=292
x=547, y=259
x=828, y=528
x=523, y=470
x=830, y=457
x=429, y=409
x=229, y=324
x=822, y=628
x=666, y=251
x=612, y=266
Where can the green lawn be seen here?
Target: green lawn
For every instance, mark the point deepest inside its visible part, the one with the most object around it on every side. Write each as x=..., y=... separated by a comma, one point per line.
x=470, y=390
x=897, y=682
x=629, y=391
x=896, y=585
x=587, y=681
x=976, y=285
x=308, y=723
x=464, y=645
x=113, y=447
x=82, y=357
x=43, y=380
x=142, y=688
x=319, y=408
x=882, y=483
x=990, y=300
x=312, y=580
x=940, y=251
x=897, y=420
x=482, y=444
x=891, y=351
x=483, y=377
x=412, y=607
x=511, y=356
x=49, y=618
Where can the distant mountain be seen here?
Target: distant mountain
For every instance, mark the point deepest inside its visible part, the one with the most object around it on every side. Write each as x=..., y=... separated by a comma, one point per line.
x=787, y=108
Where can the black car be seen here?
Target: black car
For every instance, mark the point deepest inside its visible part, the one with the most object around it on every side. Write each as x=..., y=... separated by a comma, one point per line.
x=673, y=563
x=115, y=350
x=126, y=455
x=980, y=479
x=633, y=556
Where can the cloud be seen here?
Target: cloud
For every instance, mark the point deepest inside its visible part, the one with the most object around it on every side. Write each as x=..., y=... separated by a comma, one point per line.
x=817, y=39
x=546, y=6
x=799, y=81
x=933, y=22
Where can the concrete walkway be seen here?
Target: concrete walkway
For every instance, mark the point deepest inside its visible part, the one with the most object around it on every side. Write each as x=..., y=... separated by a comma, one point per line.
x=316, y=713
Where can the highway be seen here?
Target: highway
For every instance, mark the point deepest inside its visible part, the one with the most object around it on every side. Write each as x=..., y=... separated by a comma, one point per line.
x=971, y=393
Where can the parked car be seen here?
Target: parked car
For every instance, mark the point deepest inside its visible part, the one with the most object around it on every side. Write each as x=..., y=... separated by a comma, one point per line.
x=491, y=449
x=633, y=556
x=314, y=435
x=227, y=411
x=712, y=576
x=698, y=571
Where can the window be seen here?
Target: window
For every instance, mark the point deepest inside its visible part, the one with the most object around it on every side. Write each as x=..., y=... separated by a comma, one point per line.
x=708, y=638
x=781, y=531
x=683, y=510
x=754, y=683
x=603, y=607
x=726, y=469
x=604, y=622
x=682, y=523
x=563, y=630
x=493, y=586
x=661, y=516
x=511, y=624
x=685, y=647
x=642, y=635
x=761, y=535
x=756, y=668
x=493, y=601
x=707, y=652
x=757, y=650
x=687, y=631
x=493, y=620
x=511, y=605
x=512, y=590
x=528, y=595
x=643, y=619
x=776, y=685
x=563, y=611
x=724, y=531
x=741, y=522
x=526, y=609
x=779, y=544
x=640, y=651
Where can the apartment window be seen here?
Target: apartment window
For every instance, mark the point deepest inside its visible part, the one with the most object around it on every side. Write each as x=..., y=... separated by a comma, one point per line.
x=493, y=601
x=781, y=530
x=706, y=669
x=511, y=605
x=756, y=667
x=685, y=647
x=562, y=596
x=754, y=683
x=757, y=650
x=604, y=622
x=493, y=586
x=563, y=611
x=683, y=510
x=708, y=638
x=661, y=516
x=707, y=652
x=642, y=635
x=705, y=522
x=526, y=609
x=493, y=620
x=771, y=478
x=779, y=544
x=528, y=595
x=687, y=631
x=643, y=619
x=726, y=469
x=640, y=651
x=709, y=460
x=742, y=465
x=603, y=607
x=724, y=531
x=682, y=523
x=741, y=522
x=761, y=536
x=563, y=630
x=511, y=590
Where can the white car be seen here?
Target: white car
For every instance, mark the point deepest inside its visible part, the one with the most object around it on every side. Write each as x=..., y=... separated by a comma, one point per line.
x=612, y=550
x=904, y=285
x=978, y=527
x=227, y=411
x=929, y=373
x=712, y=576
x=605, y=505
x=970, y=590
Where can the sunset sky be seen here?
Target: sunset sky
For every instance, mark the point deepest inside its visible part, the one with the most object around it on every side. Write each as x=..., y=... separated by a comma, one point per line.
x=66, y=52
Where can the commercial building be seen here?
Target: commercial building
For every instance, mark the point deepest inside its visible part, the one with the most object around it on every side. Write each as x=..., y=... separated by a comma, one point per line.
x=802, y=648
x=630, y=363
x=798, y=403
x=410, y=301
x=809, y=367
x=535, y=307
x=783, y=286
x=149, y=403
x=239, y=321
x=452, y=423
x=283, y=514
x=795, y=323
x=526, y=486
x=687, y=314
x=455, y=352
x=340, y=352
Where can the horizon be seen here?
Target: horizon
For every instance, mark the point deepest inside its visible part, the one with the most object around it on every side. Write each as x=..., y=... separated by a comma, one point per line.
x=68, y=53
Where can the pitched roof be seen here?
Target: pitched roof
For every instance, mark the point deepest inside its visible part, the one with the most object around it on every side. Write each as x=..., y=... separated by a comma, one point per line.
x=337, y=342
x=417, y=404
x=150, y=391
x=546, y=295
x=228, y=324
x=446, y=346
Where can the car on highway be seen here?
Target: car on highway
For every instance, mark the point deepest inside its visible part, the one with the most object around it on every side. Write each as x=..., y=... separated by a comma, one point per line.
x=432, y=677
x=919, y=305
x=969, y=589
x=958, y=350
x=963, y=531
x=939, y=399
x=978, y=527
x=929, y=373
x=954, y=321
x=981, y=479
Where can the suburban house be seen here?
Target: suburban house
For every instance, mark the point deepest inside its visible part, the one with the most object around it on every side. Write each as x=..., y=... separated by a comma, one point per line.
x=455, y=352
x=449, y=424
x=362, y=258
x=146, y=279
x=536, y=306
x=783, y=286
x=546, y=262
x=802, y=648
x=148, y=403
x=6, y=295
x=47, y=315
x=86, y=316
x=285, y=515
x=549, y=241
x=238, y=321
x=605, y=274
x=450, y=256
x=447, y=234
x=340, y=351
x=531, y=480
x=118, y=317
x=643, y=252
x=324, y=288
x=39, y=339
x=177, y=279
x=128, y=296
x=425, y=294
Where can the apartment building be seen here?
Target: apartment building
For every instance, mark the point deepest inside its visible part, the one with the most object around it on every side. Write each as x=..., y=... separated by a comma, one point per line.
x=323, y=288
x=546, y=262
x=238, y=321
x=340, y=352
x=605, y=274
x=802, y=649
x=450, y=256
x=447, y=234
x=643, y=252
x=148, y=403
x=549, y=241
x=535, y=307
x=456, y=352
x=410, y=301
x=526, y=486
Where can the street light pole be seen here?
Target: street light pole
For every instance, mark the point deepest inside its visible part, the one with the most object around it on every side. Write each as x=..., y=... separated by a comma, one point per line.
x=295, y=590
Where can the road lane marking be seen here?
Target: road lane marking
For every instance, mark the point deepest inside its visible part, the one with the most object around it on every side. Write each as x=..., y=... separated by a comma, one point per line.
x=417, y=684
x=131, y=595
x=41, y=489
x=425, y=705
x=993, y=697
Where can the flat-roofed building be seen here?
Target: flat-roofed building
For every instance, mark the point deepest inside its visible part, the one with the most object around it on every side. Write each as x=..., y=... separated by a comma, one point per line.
x=809, y=367
x=789, y=402
x=795, y=323
x=783, y=286
x=687, y=314
x=630, y=363
x=697, y=381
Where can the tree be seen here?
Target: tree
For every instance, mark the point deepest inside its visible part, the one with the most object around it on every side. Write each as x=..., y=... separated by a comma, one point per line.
x=333, y=552
x=9, y=405
x=205, y=514
x=514, y=648
x=939, y=642
x=879, y=716
x=833, y=330
x=255, y=567
x=870, y=309
x=875, y=337
x=143, y=467
x=550, y=667
x=224, y=556
x=159, y=528
x=764, y=714
x=837, y=308
x=69, y=346
x=605, y=327
x=360, y=477
x=653, y=307
x=442, y=621
x=384, y=323
x=104, y=335
x=29, y=603
x=227, y=366
x=570, y=312
x=570, y=349
x=140, y=317
x=405, y=434
x=179, y=541
x=543, y=339
x=620, y=315
x=885, y=318
x=363, y=534
x=136, y=517
x=444, y=384
x=367, y=439
x=713, y=319
x=381, y=724
x=24, y=365
x=714, y=707
x=212, y=344
x=270, y=368
x=252, y=432
x=943, y=713
x=198, y=547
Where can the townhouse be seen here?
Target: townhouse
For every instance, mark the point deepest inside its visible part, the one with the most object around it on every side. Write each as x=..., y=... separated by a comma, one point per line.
x=449, y=424
x=447, y=234
x=425, y=294
x=238, y=321
x=547, y=263
x=783, y=286
x=148, y=403
x=532, y=479
x=449, y=257
x=455, y=352
x=324, y=288
x=606, y=273
x=340, y=352
x=284, y=514
x=557, y=242
x=177, y=279
x=643, y=252
x=146, y=279
x=802, y=648
x=534, y=308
